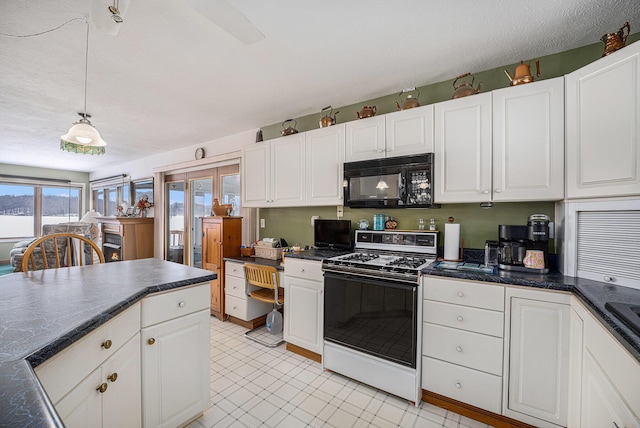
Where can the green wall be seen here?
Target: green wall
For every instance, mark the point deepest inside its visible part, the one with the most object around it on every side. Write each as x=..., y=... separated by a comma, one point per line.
x=551, y=66
x=476, y=224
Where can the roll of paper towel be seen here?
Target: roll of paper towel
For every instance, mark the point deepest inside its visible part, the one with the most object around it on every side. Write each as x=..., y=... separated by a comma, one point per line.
x=451, y=241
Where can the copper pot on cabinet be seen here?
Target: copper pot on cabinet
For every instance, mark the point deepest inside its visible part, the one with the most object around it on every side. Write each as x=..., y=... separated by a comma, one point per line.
x=464, y=89
x=411, y=99
x=289, y=130
x=522, y=74
x=327, y=120
x=367, y=111
x=615, y=41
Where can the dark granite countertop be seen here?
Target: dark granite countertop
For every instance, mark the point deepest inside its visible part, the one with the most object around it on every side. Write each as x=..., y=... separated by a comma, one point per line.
x=593, y=294
x=43, y=312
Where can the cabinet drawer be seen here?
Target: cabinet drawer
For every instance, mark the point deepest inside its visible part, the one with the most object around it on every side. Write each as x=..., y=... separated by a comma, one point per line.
x=63, y=371
x=305, y=269
x=234, y=286
x=472, y=350
x=460, y=383
x=479, y=295
x=464, y=318
x=234, y=269
x=175, y=303
x=245, y=309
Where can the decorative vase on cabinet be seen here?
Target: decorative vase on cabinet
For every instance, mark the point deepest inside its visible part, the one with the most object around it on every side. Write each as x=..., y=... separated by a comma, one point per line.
x=221, y=237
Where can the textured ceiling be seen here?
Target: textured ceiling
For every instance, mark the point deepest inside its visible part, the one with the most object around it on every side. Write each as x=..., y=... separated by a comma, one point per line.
x=172, y=78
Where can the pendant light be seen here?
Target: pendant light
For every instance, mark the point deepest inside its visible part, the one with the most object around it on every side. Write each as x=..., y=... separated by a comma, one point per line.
x=83, y=137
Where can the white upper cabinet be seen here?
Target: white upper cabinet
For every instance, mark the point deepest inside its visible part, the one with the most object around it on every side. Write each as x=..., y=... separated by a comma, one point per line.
x=463, y=150
x=365, y=139
x=402, y=133
x=528, y=142
x=409, y=132
x=324, y=149
x=603, y=126
x=273, y=172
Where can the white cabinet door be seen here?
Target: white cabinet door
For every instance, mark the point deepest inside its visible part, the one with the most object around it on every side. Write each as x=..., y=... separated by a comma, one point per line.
x=110, y=396
x=538, y=352
x=528, y=142
x=365, y=139
x=256, y=175
x=603, y=126
x=324, y=151
x=122, y=401
x=463, y=150
x=175, y=370
x=409, y=132
x=287, y=171
x=304, y=317
x=602, y=405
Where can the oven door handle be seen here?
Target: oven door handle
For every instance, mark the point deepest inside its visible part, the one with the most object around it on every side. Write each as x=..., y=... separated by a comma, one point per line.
x=383, y=282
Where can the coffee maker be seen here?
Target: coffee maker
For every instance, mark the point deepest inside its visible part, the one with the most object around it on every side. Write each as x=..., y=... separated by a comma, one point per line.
x=525, y=248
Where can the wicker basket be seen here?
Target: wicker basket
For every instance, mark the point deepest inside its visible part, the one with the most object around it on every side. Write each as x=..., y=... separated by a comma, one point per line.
x=268, y=253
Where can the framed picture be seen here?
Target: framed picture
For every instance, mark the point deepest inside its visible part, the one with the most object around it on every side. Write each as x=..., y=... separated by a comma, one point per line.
x=130, y=211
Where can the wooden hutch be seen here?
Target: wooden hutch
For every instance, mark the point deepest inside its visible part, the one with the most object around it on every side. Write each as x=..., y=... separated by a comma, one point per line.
x=127, y=238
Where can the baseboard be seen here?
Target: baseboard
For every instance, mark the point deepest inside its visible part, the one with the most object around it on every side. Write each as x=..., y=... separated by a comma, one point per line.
x=304, y=352
x=257, y=322
x=472, y=412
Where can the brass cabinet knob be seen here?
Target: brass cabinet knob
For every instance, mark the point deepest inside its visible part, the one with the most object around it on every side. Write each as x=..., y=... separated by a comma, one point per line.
x=151, y=341
x=102, y=388
x=113, y=377
x=107, y=344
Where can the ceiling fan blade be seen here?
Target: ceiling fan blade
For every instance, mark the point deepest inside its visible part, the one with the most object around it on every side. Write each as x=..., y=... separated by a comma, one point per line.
x=228, y=18
x=100, y=15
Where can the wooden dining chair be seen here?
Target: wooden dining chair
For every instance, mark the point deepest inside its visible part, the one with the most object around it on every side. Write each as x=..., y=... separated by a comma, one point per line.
x=58, y=250
x=266, y=288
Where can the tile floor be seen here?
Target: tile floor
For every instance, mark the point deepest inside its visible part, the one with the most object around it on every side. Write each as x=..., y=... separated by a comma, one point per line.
x=256, y=386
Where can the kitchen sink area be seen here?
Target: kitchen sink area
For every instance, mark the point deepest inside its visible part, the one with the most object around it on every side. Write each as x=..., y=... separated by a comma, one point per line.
x=627, y=312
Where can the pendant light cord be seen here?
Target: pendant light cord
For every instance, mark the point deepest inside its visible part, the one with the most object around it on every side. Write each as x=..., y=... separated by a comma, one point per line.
x=46, y=31
x=86, y=70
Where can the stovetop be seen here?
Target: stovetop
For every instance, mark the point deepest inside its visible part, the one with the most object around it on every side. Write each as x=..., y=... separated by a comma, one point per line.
x=378, y=254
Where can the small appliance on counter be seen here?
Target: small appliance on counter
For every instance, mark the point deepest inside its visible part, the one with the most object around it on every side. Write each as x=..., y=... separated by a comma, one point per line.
x=525, y=248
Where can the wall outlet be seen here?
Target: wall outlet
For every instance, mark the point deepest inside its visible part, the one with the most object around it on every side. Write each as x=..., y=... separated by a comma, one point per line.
x=262, y=226
x=340, y=211
x=314, y=218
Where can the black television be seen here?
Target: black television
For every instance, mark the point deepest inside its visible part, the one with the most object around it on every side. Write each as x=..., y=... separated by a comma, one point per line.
x=332, y=234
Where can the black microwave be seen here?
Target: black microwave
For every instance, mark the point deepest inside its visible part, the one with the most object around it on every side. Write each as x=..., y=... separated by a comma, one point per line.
x=400, y=182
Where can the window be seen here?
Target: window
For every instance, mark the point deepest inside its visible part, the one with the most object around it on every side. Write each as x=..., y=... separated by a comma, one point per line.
x=107, y=196
x=25, y=207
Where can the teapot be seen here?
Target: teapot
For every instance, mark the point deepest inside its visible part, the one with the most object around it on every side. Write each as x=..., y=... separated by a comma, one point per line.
x=523, y=73
x=327, y=120
x=289, y=129
x=410, y=101
x=465, y=88
x=615, y=41
x=367, y=111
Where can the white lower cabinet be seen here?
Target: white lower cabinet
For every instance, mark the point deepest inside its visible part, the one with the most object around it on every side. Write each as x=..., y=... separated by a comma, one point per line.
x=536, y=376
x=96, y=381
x=607, y=394
x=110, y=395
x=462, y=342
x=304, y=304
x=236, y=302
x=175, y=356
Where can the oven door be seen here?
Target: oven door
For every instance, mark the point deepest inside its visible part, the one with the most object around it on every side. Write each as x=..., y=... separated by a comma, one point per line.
x=374, y=316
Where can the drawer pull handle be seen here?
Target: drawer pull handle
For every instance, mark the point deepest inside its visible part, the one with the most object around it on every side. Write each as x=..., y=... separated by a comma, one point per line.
x=107, y=344
x=102, y=388
x=458, y=385
x=182, y=304
x=460, y=294
x=460, y=318
x=113, y=377
x=301, y=269
x=459, y=348
x=151, y=341
x=607, y=279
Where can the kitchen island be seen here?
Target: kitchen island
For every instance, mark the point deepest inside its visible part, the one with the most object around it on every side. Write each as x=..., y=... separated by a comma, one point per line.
x=44, y=312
